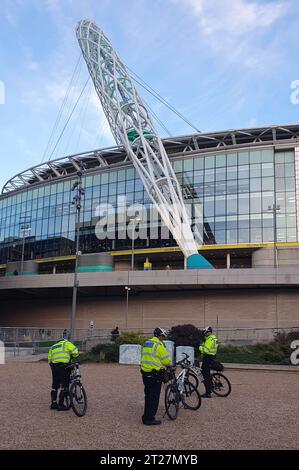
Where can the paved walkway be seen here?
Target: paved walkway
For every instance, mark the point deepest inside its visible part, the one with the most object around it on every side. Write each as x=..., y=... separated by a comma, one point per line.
x=260, y=413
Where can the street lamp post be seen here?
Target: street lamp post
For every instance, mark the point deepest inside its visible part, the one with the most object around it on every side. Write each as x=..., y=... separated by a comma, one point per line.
x=273, y=210
x=25, y=228
x=127, y=307
x=133, y=219
x=77, y=202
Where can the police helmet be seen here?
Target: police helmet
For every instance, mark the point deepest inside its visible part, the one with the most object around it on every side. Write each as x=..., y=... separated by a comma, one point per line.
x=207, y=329
x=160, y=332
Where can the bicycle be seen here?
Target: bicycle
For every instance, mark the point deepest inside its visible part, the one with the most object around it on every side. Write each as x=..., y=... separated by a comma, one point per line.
x=76, y=397
x=180, y=392
x=221, y=386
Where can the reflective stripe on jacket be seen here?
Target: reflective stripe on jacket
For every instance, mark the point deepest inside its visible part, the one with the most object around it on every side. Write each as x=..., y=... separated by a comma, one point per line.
x=62, y=351
x=154, y=355
x=209, y=346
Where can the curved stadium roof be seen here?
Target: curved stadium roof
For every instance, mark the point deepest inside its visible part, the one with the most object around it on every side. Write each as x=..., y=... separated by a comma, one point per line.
x=175, y=146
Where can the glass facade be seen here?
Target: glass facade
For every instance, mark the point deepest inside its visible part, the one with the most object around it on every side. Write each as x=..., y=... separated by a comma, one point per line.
x=235, y=189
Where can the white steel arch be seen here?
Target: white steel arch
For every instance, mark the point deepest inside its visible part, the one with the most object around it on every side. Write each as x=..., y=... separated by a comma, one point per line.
x=133, y=127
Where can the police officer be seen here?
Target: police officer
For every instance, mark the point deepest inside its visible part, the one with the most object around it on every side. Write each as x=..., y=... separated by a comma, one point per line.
x=153, y=359
x=208, y=349
x=59, y=357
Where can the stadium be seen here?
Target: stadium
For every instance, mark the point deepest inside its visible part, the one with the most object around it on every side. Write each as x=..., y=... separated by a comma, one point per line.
x=247, y=183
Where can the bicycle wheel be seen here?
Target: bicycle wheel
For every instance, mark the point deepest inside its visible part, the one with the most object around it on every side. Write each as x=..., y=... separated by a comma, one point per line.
x=172, y=401
x=221, y=385
x=190, y=397
x=192, y=378
x=78, y=398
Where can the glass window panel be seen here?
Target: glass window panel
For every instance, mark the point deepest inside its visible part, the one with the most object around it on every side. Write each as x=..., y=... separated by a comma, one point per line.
x=290, y=202
x=198, y=177
x=188, y=164
x=267, y=200
x=220, y=237
x=291, y=220
x=243, y=158
x=255, y=202
x=198, y=163
x=255, y=220
x=232, y=173
x=210, y=161
x=256, y=235
x=220, y=188
x=243, y=235
x=220, y=174
x=112, y=188
x=220, y=206
x=268, y=221
x=268, y=235
x=279, y=157
x=280, y=184
x=279, y=170
x=267, y=155
x=232, y=205
x=220, y=161
x=177, y=166
x=267, y=169
x=291, y=235
x=209, y=206
x=112, y=176
x=280, y=220
x=210, y=175
x=255, y=184
x=281, y=234
x=232, y=222
x=104, y=178
x=220, y=223
x=209, y=189
x=255, y=156
x=232, y=187
x=268, y=184
x=121, y=175
x=289, y=169
x=243, y=171
x=130, y=173
x=289, y=156
x=290, y=184
x=255, y=171
x=281, y=201
x=243, y=186
x=97, y=180
x=232, y=236
x=243, y=201
x=232, y=159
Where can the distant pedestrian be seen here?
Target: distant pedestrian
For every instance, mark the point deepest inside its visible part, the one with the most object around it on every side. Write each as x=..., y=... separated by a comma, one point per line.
x=114, y=334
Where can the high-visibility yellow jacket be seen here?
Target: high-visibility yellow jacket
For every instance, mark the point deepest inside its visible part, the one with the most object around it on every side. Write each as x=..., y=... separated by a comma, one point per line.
x=209, y=346
x=154, y=355
x=63, y=351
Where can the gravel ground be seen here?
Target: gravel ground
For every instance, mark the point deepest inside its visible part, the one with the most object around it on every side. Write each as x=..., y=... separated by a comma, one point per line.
x=260, y=413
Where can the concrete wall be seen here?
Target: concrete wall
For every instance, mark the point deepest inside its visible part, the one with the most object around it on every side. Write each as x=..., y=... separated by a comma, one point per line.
x=264, y=257
x=234, y=308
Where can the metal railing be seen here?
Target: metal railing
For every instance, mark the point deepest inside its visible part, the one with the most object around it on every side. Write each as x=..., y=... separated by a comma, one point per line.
x=36, y=340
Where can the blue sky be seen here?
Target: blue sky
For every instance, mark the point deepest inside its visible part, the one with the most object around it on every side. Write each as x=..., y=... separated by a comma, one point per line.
x=224, y=64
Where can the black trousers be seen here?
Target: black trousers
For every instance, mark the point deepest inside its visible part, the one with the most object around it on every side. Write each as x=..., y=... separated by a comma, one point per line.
x=60, y=378
x=152, y=388
x=207, y=364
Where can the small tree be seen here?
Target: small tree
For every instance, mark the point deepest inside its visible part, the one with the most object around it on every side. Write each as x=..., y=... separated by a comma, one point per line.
x=186, y=335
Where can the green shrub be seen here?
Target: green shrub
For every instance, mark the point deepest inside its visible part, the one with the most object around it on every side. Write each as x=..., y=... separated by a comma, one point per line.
x=131, y=337
x=103, y=353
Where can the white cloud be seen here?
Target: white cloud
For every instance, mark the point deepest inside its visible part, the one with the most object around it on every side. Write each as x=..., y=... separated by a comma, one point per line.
x=235, y=18
x=233, y=27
